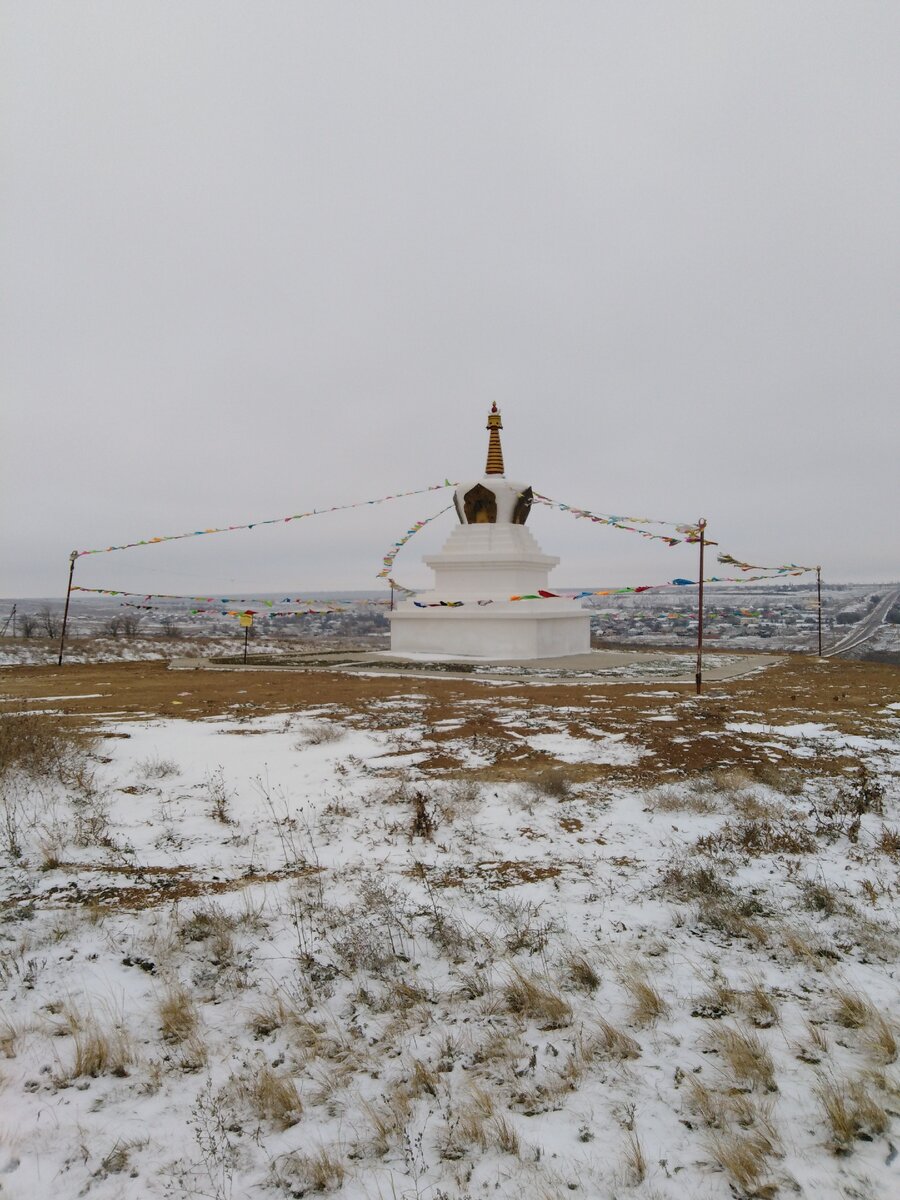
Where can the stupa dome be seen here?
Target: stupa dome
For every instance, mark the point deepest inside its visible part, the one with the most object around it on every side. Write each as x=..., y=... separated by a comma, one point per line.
x=493, y=499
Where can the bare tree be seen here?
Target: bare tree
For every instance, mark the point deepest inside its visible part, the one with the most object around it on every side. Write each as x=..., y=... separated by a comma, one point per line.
x=28, y=623
x=49, y=621
x=170, y=627
x=112, y=627
x=131, y=623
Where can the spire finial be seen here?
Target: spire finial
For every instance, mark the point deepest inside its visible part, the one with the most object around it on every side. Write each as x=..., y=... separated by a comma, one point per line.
x=495, y=452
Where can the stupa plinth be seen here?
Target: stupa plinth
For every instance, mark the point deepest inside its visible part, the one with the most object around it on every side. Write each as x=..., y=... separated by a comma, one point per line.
x=487, y=559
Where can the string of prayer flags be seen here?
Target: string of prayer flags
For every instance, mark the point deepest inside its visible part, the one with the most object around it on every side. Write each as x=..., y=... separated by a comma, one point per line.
x=690, y=533
x=268, y=603
x=784, y=569
x=388, y=560
x=316, y=512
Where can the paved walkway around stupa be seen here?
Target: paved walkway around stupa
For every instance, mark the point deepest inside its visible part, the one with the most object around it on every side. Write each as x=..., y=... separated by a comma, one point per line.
x=600, y=666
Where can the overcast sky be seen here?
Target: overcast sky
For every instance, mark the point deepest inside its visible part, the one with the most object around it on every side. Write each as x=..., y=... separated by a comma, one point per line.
x=258, y=258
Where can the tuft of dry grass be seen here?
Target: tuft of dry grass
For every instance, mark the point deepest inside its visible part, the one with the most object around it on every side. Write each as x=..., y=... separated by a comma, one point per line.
x=816, y=1047
x=647, y=1004
x=9, y=1035
x=271, y=1014
x=580, y=973
x=882, y=1039
x=852, y=1010
x=273, y=1098
x=388, y=1120
x=760, y=1005
x=747, y=1058
x=297, y=1173
x=718, y=1000
x=851, y=1111
x=818, y=897
x=745, y=1158
x=529, y=996
x=100, y=1052
x=178, y=1017
x=423, y=1079
x=889, y=842
x=615, y=1042
x=705, y=1103
x=635, y=1159
x=157, y=768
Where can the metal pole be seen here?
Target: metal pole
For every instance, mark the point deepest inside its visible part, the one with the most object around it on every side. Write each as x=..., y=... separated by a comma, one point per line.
x=392, y=597
x=246, y=640
x=819, y=595
x=701, y=525
x=62, y=636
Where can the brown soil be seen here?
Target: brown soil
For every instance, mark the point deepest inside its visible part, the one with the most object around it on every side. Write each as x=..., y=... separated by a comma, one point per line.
x=847, y=696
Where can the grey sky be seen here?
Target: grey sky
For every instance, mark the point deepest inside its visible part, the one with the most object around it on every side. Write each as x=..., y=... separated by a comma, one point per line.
x=262, y=257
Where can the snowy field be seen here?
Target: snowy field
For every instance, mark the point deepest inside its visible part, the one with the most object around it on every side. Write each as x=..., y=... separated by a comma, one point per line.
x=502, y=947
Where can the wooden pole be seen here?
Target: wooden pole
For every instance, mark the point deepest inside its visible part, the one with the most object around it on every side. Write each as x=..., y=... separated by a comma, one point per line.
x=819, y=597
x=62, y=636
x=246, y=640
x=701, y=525
x=392, y=597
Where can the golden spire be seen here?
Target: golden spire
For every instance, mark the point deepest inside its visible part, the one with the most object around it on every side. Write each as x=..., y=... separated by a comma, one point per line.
x=495, y=453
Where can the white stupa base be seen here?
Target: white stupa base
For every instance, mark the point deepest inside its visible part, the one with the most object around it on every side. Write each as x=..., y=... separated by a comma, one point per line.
x=518, y=631
x=480, y=567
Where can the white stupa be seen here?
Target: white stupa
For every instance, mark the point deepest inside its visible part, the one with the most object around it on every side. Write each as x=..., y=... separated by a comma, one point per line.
x=487, y=559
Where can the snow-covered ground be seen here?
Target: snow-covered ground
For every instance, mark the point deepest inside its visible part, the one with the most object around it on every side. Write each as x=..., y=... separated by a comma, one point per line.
x=286, y=954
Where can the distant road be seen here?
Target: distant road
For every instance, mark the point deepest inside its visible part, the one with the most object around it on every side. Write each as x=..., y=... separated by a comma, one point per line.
x=867, y=627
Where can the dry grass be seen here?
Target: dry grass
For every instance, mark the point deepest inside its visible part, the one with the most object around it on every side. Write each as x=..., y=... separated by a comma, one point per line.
x=422, y=1079
x=615, y=1042
x=851, y=1111
x=388, y=1120
x=635, y=1160
x=718, y=1000
x=745, y=1158
x=816, y=1047
x=889, y=841
x=529, y=996
x=852, y=1010
x=817, y=896
x=760, y=1005
x=273, y=1013
x=674, y=799
x=272, y=1097
x=580, y=973
x=100, y=1052
x=756, y=836
x=178, y=1016
x=40, y=746
x=157, y=768
x=780, y=778
x=705, y=1103
x=647, y=1004
x=882, y=1040
x=747, y=1058
x=297, y=1173
x=9, y=1036
x=505, y=1136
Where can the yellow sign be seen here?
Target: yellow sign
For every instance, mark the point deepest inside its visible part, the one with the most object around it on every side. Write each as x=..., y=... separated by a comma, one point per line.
x=246, y=620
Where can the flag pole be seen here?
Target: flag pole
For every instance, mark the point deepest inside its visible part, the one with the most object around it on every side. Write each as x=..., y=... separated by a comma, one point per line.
x=65, y=621
x=819, y=599
x=701, y=525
